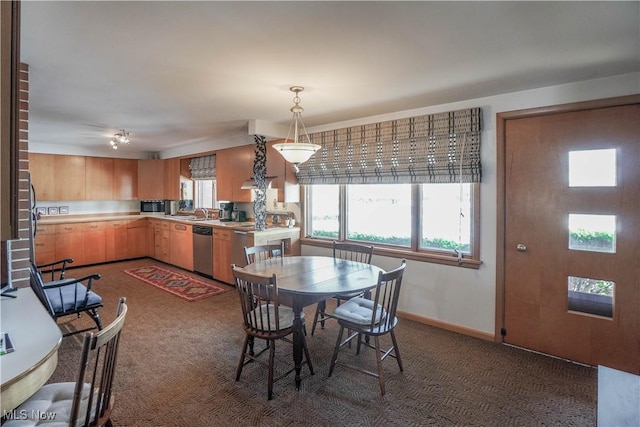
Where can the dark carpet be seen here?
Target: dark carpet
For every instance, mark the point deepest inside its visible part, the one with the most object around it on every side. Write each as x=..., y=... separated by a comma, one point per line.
x=177, y=362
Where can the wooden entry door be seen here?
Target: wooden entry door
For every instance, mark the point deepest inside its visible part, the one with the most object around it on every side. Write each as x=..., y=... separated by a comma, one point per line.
x=540, y=262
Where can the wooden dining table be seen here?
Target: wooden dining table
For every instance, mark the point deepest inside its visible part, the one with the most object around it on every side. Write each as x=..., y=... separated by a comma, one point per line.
x=306, y=280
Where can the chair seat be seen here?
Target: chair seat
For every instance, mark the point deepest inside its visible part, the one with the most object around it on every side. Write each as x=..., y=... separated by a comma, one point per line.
x=286, y=317
x=358, y=311
x=68, y=301
x=54, y=399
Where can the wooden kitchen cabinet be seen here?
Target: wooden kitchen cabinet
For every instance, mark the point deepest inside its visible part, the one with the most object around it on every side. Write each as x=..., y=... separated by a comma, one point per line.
x=139, y=238
x=172, y=179
x=58, y=177
x=233, y=167
x=70, y=178
x=70, y=242
x=99, y=178
x=125, y=179
x=162, y=242
x=116, y=240
x=285, y=180
x=43, y=175
x=94, y=234
x=222, y=254
x=181, y=246
x=150, y=179
x=45, y=244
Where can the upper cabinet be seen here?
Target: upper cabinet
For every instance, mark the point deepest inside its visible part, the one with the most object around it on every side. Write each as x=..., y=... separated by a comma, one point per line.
x=58, y=177
x=233, y=167
x=99, y=178
x=172, y=179
x=151, y=179
x=286, y=182
x=125, y=179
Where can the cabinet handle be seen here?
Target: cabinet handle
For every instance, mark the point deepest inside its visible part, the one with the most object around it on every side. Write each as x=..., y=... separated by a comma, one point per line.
x=181, y=227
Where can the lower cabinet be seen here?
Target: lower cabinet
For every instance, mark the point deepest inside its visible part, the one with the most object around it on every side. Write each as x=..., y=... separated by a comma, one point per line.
x=181, y=246
x=222, y=255
x=139, y=238
x=45, y=244
x=116, y=240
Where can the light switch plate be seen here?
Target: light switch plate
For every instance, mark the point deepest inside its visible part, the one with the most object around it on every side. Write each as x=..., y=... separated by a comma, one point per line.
x=41, y=211
x=63, y=210
x=52, y=210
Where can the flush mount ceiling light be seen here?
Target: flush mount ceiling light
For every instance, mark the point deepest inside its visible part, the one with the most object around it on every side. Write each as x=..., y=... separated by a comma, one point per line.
x=297, y=152
x=121, y=137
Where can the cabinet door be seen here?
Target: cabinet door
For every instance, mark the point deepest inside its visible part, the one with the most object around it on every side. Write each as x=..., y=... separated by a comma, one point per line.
x=172, y=179
x=181, y=248
x=286, y=181
x=70, y=243
x=116, y=240
x=43, y=175
x=222, y=255
x=94, y=235
x=125, y=179
x=233, y=167
x=138, y=239
x=45, y=244
x=150, y=179
x=99, y=178
x=70, y=178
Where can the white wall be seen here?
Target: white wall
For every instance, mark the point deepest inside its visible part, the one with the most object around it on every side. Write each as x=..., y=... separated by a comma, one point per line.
x=460, y=296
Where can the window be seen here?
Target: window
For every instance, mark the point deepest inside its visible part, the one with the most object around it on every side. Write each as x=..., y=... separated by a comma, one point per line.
x=419, y=220
x=204, y=193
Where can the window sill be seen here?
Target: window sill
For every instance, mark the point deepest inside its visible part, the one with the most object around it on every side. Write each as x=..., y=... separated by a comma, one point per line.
x=406, y=254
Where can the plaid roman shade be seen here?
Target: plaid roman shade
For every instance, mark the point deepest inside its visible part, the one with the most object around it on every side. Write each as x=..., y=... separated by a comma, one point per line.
x=435, y=148
x=203, y=167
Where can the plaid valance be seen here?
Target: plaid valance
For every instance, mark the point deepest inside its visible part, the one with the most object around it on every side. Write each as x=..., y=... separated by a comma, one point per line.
x=435, y=148
x=203, y=167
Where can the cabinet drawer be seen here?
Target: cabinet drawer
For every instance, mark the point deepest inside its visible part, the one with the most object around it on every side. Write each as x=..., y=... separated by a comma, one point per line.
x=181, y=228
x=69, y=228
x=94, y=226
x=115, y=224
x=221, y=234
x=45, y=229
x=137, y=223
x=165, y=225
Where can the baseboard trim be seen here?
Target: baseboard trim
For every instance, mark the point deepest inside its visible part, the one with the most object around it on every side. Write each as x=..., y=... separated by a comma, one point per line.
x=447, y=326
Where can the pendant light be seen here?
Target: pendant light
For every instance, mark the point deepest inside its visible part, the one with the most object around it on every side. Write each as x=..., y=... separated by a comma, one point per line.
x=297, y=152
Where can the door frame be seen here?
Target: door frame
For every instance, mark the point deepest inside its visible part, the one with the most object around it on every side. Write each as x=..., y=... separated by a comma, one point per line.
x=501, y=123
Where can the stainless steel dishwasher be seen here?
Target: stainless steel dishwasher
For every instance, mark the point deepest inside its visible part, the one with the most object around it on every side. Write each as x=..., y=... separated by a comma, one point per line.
x=203, y=250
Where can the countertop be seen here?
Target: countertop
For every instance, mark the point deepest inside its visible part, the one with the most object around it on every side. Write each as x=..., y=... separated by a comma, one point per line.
x=185, y=219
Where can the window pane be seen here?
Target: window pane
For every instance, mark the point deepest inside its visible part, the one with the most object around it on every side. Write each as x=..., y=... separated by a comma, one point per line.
x=596, y=233
x=325, y=216
x=592, y=296
x=204, y=193
x=379, y=213
x=592, y=168
x=443, y=226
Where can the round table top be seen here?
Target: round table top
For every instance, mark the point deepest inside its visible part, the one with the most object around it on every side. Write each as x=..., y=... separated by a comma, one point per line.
x=318, y=275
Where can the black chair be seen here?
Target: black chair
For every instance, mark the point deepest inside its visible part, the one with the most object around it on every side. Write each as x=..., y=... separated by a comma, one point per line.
x=372, y=318
x=90, y=399
x=66, y=297
x=262, y=252
x=350, y=251
x=264, y=318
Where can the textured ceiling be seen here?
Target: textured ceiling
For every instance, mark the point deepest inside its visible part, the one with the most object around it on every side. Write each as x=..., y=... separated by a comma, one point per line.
x=180, y=74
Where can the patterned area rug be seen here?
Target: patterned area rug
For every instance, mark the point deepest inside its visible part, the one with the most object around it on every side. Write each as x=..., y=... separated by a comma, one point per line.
x=184, y=286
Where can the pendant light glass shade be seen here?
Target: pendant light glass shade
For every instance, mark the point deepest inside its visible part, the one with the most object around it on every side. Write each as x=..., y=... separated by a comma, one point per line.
x=296, y=152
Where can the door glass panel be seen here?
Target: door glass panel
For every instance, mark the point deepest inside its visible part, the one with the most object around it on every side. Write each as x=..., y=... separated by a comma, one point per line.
x=591, y=296
x=595, y=233
x=592, y=168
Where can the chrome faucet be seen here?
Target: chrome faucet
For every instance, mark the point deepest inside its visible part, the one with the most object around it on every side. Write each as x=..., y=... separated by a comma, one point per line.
x=204, y=212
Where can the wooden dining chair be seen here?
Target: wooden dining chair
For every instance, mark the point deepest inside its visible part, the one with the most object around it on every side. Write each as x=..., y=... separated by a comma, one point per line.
x=349, y=251
x=66, y=296
x=264, y=318
x=262, y=252
x=89, y=400
x=372, y=318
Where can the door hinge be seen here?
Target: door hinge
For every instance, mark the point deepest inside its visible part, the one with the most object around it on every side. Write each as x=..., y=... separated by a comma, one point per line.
x=503, y=331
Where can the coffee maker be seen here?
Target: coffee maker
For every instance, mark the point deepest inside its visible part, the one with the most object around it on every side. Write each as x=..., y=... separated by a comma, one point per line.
x=226, y=211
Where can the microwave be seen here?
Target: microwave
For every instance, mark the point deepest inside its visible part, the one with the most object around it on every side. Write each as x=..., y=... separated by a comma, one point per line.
x=152, y=206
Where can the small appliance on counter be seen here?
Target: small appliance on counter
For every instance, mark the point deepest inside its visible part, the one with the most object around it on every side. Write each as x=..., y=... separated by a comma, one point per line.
x=239, y=216
x=226, y=211
x=170, y=207
x=152, y=206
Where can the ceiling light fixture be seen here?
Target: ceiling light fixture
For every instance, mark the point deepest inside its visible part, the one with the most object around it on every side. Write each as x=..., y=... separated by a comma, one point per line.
x=121, y=137
x=297, y=152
